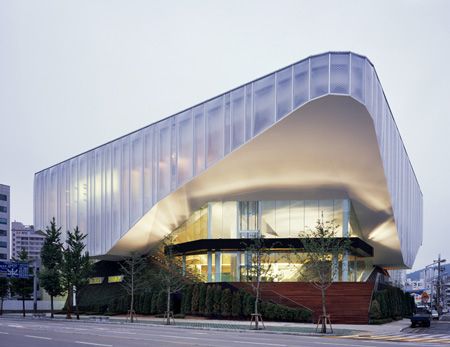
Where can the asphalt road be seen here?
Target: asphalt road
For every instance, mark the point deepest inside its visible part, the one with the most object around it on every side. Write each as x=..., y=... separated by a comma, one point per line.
x=40, y=333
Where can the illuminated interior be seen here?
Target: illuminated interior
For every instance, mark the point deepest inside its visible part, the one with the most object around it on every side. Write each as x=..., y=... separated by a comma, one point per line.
x=267, y=219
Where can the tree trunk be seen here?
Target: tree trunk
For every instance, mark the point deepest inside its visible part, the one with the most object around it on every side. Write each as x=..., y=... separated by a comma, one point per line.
x=168, y=306
x=258, y=282
x=324, y=311
x=69, y=304
x=76, y=304
x=23, y=305
x=132, y=306
x=1, y=308
x=51, y=306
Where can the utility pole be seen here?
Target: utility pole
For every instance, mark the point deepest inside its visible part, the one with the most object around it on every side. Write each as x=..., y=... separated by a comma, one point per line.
x=439, y=284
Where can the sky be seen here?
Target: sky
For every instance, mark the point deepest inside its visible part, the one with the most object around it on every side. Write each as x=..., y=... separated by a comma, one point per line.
x=76, y=74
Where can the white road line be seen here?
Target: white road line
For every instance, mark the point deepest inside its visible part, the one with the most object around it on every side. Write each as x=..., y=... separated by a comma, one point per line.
x=339, y=344
x=122, y=332
x=70, y=328
x=4, y=333
x=179, y=337
x=15, y=326
x=92, y=343
x=39, y=337
x=259, y=343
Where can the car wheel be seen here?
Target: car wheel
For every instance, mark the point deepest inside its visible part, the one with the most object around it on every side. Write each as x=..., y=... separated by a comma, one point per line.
x=413, y=325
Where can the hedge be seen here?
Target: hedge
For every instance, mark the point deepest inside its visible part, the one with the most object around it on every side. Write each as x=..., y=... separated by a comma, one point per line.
x=198, y=299
x=390, y=304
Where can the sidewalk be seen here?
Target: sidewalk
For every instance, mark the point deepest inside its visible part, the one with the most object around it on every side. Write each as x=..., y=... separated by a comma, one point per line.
x=236, y=325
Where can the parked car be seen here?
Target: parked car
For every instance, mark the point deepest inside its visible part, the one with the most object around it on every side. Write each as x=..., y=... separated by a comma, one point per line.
x=422, y=317
x=434, y=314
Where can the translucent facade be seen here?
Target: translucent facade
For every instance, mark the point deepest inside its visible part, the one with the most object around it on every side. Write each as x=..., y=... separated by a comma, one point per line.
x=107, y=190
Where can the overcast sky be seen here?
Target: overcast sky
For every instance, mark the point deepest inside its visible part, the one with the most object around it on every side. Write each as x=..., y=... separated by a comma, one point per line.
x=76, y=74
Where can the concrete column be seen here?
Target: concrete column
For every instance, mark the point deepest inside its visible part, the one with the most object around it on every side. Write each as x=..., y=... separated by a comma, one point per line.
x=345, y=218
x=209, y=266
x=345, y=267
x=209, y=221
x=183, y=262
x=238, y=266
x=345, y=233
x=335, y=268
x=218, y=267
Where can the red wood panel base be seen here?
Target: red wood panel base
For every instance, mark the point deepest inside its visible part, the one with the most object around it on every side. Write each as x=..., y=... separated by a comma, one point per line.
x=347, y=302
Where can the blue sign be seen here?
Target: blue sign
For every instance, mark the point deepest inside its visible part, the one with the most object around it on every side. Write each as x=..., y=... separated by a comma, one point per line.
x=14, y=269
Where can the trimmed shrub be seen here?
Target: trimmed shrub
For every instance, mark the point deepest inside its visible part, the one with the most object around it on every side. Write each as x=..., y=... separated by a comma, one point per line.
x=209, y=301
x=248, y=303
x=217, y=300
x=375, y=311
x=147, y=303
x=225, y=303
x=390, y=303
x=137, y=303
x=161, y=302
x=154, y=304
x=195, y=299
x=236, y=309
x=186, y=300
x=202, y=299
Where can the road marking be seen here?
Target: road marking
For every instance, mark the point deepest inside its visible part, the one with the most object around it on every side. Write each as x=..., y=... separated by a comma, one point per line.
x=259, y=343
x=338, y=344
x=15, y=326
x=39, y=337
x=4, y=333
x=123, y=332
x=92, y=343
x=70, y=328
x=179, y=337
x=199, y=333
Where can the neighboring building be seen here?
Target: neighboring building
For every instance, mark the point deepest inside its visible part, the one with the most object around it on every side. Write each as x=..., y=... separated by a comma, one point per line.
x=266, y=159
x=397, y=278
x=426, y=279
x=4, y=222
x=412, y=285
x=25, y=237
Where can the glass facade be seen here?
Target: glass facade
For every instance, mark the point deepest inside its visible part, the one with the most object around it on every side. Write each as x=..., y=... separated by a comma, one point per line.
x=239, y=266
x=107, y=190
x=268, y=219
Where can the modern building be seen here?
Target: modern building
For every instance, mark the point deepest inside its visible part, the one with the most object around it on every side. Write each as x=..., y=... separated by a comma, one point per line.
x=25, y=237
x=4, y=222
x=266, y=159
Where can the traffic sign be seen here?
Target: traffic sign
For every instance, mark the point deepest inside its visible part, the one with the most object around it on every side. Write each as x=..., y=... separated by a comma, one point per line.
x=14, y=269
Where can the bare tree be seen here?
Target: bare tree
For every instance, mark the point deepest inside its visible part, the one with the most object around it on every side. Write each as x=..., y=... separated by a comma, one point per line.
x=133, y=269
x=171, y=275
x=322, y=249
x=259, y=268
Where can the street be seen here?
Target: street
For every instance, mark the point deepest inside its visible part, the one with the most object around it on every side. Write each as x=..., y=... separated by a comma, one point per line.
x=17, y=332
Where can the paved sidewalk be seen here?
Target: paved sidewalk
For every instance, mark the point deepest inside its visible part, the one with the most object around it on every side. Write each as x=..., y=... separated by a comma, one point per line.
x=216, y=324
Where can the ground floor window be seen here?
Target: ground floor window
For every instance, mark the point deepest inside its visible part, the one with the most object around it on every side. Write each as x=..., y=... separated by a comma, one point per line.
x=240, y=266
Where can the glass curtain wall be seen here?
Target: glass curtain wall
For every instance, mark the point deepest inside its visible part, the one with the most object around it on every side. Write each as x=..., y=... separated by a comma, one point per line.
x=239, y=266
x=270, y=219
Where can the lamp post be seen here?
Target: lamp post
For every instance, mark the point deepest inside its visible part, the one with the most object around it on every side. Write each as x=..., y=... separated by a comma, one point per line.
x=439, y=283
